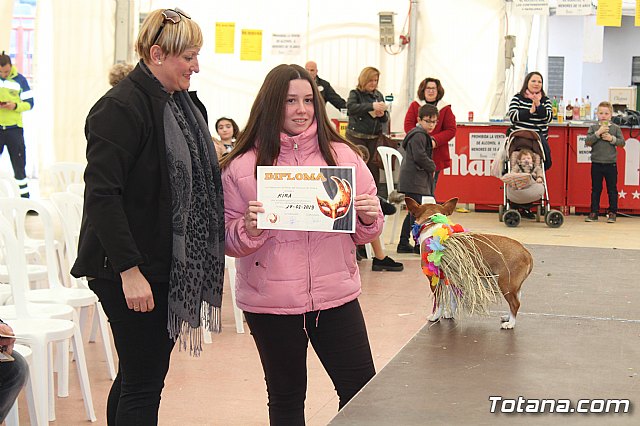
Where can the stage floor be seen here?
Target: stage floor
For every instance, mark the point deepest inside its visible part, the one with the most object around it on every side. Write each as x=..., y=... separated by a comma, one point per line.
x=577, y=337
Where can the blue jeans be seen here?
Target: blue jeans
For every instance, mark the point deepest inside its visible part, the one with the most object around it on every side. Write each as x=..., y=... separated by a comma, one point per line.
x=13, y=376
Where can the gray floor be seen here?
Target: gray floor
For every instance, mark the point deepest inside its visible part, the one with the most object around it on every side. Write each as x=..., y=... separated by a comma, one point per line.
x=577, y=337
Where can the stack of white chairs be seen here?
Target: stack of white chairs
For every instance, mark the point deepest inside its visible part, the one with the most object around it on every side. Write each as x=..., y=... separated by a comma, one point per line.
x=388, y=154
x=70, y=208
x=40, y=333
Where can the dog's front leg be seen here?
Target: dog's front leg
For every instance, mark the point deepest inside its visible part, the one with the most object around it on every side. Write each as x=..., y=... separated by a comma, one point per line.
x=437, y=313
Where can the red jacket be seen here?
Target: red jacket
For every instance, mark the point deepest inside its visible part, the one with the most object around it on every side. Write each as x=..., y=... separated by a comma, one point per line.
x=445, y=131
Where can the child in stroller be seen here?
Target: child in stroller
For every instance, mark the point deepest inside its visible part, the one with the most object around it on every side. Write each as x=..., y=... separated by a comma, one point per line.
x=525, y=182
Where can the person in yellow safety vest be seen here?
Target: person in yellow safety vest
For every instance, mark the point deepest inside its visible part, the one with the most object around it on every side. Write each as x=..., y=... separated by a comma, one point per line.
x=15, y=98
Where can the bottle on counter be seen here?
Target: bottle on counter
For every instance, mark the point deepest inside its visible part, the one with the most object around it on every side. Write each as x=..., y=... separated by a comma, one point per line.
x=560, y=111
x=554, y=108
x=587, y=109
x=583, y=110
x=576, y=110
x=568, y=111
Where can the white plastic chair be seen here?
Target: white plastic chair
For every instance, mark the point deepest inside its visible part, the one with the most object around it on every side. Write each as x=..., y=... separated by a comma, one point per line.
x=81, y=299
x=40, y=333
x=65, y=173
x=76, y=188
x=69, y=206
x=12, y=417
x=9, y=187
x=387, y=155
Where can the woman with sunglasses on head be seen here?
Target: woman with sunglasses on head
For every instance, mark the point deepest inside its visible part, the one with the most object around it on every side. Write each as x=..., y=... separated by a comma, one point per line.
x=152, y=237
x=430, y=91
x=292, y=285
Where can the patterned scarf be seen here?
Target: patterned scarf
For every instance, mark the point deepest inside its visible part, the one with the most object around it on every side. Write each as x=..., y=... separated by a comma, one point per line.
x=197, y=263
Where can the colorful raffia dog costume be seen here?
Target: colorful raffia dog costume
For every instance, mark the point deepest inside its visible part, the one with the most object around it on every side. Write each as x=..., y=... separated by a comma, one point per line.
x=459, y=277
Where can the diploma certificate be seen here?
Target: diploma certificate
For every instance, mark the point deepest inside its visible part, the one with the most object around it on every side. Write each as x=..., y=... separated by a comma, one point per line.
x=307, y=198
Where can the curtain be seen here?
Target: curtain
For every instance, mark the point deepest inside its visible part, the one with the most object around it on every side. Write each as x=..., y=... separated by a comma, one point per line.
x=74, y=51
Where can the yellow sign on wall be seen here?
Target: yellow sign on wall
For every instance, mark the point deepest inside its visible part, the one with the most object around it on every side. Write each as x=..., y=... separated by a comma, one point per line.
x=225, y=37
x=637, y=13
x=609, y=13
x=343, y=128
x=251, y=45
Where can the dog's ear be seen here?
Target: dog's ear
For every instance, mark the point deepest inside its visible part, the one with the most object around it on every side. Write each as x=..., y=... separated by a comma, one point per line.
x=412, y=206
x=449, y=206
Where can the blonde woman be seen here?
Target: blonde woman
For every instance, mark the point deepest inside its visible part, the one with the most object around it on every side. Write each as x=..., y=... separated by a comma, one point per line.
x=368, y=117
x=152, y=236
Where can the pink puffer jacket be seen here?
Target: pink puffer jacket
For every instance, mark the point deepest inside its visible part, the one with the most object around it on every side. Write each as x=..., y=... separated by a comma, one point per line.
x=293, y=272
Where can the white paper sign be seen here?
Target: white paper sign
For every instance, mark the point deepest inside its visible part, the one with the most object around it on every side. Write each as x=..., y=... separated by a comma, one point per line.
x=574, y=7
x=307, y=198
x=584, y=151
x=286, y=44
x=531, y=7
x=485, y=146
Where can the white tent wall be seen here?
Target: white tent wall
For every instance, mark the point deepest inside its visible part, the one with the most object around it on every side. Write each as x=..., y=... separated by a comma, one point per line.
x=74, y=51
x=458, y=42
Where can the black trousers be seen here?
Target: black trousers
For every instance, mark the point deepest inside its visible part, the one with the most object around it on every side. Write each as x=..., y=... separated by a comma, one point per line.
x=144, y=348
x=13, y=139
x=608, y=172
x=339, y=337
x=405, y=232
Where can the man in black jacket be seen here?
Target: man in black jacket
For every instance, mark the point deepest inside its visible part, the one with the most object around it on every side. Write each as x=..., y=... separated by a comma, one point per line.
x=325, y=88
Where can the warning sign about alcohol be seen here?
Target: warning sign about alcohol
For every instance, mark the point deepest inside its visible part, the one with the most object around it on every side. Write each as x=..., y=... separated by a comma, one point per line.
x=485, y=146
x=584, y=151
x=574, y=7
x=286, y=44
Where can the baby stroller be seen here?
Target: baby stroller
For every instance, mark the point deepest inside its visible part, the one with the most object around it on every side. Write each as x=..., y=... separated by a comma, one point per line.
x=520, y=190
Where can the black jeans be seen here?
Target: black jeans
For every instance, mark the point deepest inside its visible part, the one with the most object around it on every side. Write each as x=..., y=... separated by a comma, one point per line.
x=144, y=348
x=608, y=172
x=405, y=232
x=339, y=337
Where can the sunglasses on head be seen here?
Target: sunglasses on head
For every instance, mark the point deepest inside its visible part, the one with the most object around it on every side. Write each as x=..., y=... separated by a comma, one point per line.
x=170, y=15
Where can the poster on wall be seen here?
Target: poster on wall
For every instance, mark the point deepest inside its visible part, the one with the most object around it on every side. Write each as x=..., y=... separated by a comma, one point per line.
x=225, y=37
x=609, y=13
x=531, y=7
x=574, y=7
x=286, y=44
x=251, y=45
x=485, y=146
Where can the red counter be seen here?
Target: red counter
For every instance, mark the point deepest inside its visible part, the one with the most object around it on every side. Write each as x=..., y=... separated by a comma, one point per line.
x=469, y=177
x=579, y=173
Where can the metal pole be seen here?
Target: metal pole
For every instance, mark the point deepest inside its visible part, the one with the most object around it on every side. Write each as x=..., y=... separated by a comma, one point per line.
x=123, y=46
x=411, y=54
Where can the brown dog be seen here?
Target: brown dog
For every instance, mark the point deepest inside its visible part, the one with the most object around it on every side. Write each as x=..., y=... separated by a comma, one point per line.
x=506, y=258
